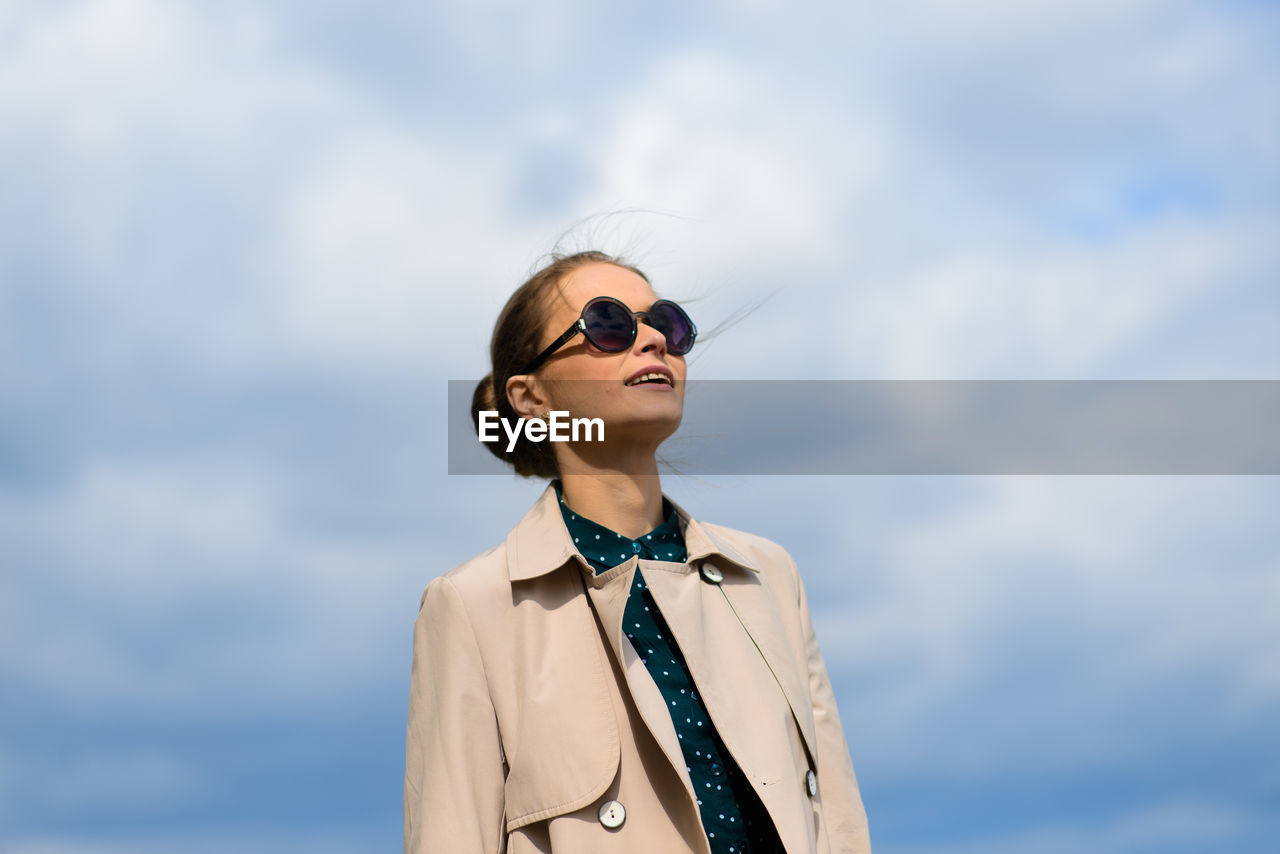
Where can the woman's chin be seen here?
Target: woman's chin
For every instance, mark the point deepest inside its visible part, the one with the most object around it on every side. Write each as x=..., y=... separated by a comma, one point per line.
x=647, y=421
x=645, y=429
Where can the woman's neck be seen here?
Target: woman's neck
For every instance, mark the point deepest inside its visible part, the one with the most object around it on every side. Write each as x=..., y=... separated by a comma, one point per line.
x=630, y=504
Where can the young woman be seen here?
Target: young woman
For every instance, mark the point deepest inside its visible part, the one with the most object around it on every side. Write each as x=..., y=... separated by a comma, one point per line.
x=617, y=676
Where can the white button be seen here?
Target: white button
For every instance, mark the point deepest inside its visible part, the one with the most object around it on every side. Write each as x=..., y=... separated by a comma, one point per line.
x=612, y=814
x=811, y=780
x=710, y=573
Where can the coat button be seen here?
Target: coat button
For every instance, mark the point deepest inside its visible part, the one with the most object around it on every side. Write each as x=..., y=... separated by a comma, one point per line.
x=612, y=814
x=811, y=780
x=710, y=573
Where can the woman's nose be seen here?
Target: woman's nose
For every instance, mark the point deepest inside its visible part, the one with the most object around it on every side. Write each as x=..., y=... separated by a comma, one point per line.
x=649, y=338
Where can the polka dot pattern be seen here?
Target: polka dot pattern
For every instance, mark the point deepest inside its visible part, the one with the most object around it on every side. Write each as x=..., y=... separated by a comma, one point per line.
x=732, y=815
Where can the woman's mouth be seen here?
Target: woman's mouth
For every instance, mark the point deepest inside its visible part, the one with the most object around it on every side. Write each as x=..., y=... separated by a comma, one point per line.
x=652, y=378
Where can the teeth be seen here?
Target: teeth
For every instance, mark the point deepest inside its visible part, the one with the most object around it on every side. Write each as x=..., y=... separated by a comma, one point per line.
x=650, y=375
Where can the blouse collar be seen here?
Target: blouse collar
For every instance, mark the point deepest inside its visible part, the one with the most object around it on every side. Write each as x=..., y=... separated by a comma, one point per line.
x=540, y=542
x=606, y=548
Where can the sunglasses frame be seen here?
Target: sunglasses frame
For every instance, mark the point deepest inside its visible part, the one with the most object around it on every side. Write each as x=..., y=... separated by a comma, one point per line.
x=580, y=325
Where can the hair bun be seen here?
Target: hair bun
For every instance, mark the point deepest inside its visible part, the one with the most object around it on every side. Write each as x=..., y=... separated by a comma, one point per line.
x=484, y=397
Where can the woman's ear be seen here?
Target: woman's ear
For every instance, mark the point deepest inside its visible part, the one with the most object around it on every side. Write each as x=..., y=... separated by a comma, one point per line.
x=525, y=395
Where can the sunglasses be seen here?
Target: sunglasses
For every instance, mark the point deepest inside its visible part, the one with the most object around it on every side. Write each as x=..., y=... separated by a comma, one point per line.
x=611, y=327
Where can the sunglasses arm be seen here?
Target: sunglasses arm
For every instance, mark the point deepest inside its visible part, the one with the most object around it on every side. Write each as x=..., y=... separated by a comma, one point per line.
x=579, y=325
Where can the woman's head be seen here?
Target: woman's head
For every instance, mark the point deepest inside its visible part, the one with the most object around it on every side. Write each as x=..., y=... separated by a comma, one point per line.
x=578, y=377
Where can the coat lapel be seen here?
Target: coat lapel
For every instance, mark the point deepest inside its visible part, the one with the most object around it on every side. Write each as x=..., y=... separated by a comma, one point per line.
x=609, y=592
x=757, y=612
x=737, y=685
x=756, y=607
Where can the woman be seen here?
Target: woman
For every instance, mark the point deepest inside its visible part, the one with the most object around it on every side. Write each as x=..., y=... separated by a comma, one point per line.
x=617, y=676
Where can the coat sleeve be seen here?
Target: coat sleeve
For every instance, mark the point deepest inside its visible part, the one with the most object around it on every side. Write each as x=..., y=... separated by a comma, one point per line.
x=844, y=820
x=453, y=782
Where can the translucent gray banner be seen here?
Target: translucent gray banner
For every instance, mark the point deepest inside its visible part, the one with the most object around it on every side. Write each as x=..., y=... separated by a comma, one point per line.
x=1132, y=427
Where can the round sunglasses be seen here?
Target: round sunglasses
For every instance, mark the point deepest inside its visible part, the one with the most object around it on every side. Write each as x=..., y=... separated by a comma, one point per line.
x=611, y=327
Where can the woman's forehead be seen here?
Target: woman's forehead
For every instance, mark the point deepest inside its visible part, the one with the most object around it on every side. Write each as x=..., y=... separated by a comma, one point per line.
x=603, y=280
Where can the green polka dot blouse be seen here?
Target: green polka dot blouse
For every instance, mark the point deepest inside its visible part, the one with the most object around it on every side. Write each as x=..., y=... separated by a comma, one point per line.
x=732, y=815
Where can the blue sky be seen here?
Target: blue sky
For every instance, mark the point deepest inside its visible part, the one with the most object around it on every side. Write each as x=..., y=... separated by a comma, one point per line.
x=245, y=245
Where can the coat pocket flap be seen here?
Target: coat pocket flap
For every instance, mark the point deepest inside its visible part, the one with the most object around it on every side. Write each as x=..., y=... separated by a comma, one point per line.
x=568, y=752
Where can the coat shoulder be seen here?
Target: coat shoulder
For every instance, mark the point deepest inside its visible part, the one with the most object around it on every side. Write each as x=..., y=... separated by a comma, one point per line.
x=482, y=578
x=747, y=541
x=762, y=553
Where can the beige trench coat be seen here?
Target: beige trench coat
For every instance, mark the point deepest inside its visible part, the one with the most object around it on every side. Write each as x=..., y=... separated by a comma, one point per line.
x=530, y=713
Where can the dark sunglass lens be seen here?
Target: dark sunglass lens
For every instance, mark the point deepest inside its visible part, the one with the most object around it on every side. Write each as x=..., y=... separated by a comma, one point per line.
x=609, y=326
x=669, y=319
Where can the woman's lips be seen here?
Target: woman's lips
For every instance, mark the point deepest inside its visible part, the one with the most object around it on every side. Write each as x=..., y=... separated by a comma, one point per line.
x=656, y=375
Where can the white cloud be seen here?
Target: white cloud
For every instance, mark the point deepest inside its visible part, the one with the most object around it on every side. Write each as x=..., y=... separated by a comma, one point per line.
x=1064, y=309
x=762, y=166
x=1045, y=616
x=385, y=249
x=259, y=610
x=353, y=236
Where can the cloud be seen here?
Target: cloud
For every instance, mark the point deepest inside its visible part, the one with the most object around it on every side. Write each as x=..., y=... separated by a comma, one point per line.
x=1044, y=616
x=1055, y=309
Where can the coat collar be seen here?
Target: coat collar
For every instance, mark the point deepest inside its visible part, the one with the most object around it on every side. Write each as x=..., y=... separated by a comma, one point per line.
x=540, y=542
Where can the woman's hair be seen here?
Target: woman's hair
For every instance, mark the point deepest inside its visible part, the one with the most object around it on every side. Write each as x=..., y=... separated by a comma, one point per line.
x=517, y=338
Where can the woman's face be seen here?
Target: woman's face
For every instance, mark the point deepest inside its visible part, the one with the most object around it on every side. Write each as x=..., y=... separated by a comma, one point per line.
x=588, y=382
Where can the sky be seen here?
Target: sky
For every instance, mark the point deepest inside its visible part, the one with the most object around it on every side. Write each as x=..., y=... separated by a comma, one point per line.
x=246, y=245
